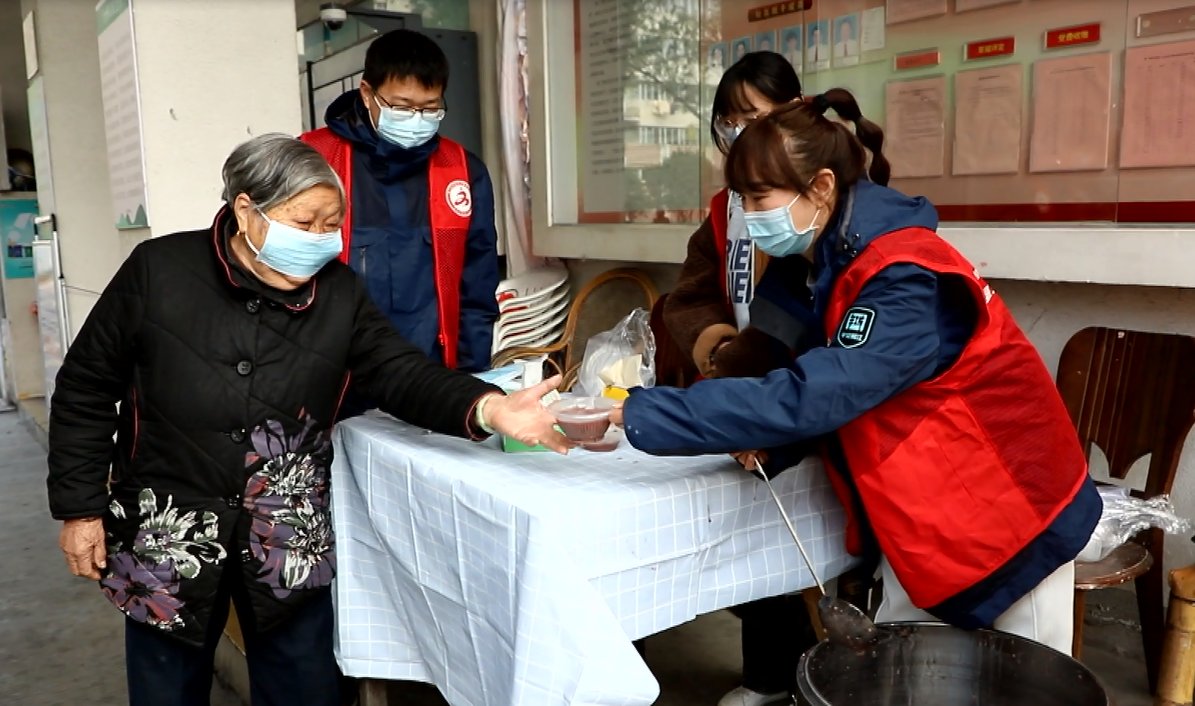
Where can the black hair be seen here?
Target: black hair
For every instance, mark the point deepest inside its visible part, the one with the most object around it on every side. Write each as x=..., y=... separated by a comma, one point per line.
x=767, y=72
x=402, y=54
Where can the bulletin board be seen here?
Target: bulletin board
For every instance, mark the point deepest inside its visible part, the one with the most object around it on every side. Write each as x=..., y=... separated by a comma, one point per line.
x=1003, y=110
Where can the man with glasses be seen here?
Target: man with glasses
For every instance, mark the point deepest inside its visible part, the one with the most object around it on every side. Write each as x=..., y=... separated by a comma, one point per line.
x=419, y=228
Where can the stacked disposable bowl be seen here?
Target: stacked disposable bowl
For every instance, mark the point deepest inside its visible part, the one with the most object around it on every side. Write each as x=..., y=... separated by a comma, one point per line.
x=532, y=309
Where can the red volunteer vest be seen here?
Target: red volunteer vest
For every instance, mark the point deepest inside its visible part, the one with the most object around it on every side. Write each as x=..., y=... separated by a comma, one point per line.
x=960, y=472
x=451, y=209
x=720, y=220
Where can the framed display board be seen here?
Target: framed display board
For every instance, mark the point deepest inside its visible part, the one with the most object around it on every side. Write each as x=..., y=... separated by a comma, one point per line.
x=1033, y=111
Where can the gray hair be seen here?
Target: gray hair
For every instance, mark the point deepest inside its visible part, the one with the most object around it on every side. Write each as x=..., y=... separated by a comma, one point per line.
x=274, y=168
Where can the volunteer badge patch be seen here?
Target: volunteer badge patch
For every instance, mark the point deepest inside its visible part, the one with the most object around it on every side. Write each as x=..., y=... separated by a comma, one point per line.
x=856, y=327
x=459, y=198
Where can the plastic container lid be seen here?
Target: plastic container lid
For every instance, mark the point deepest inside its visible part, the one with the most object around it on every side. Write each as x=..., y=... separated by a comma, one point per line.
x=582, y=409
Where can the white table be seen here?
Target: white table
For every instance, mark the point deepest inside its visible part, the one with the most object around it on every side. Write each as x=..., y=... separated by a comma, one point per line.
x=523, y=578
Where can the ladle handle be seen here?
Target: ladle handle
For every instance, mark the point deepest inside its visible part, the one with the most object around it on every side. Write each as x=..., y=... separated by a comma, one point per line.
x=788, y=523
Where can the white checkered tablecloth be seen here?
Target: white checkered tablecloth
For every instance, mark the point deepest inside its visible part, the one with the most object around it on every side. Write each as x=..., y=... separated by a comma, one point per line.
x=522, y=578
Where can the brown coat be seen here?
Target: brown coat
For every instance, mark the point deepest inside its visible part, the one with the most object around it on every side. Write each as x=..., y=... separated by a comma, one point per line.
x=701, y=322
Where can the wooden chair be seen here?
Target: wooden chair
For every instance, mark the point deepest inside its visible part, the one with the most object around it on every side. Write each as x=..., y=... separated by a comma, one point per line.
x=1130, y=393
x=565, y=357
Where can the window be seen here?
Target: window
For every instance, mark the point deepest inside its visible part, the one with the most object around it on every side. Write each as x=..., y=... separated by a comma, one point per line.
x=997, y=110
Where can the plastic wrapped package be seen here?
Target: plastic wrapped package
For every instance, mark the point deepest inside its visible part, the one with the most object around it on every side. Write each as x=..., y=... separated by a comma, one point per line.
x=624, y=357
x=1124, y=516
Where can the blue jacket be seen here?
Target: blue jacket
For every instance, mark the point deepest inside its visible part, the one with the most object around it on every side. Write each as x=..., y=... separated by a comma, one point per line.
x=920, y=325
x=918, y=330
x=391, y=240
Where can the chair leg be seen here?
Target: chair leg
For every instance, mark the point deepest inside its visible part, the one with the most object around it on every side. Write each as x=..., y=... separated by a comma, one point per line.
x=1153, y=616
x=1080, y=613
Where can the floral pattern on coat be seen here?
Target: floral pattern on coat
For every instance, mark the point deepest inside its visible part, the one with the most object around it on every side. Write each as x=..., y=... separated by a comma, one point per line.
x=291, y=533
x=170, y=545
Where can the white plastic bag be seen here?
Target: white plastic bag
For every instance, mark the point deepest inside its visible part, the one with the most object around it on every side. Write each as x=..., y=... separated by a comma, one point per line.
x=607, y=354
x=1125, y=516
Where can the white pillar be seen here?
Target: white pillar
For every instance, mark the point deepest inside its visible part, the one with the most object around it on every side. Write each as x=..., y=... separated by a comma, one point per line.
x=210, y=75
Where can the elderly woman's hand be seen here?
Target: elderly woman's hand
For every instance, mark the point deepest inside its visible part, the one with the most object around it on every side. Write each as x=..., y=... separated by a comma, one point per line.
x=82, y=541
x=522, y=416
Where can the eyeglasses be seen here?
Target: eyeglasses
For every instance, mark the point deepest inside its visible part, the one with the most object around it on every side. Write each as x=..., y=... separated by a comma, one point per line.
x=729, y=129
x=730, y=126
x=405, y=113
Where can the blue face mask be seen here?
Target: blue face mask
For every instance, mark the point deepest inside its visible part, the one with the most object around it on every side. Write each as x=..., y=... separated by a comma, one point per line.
x=774, y=232
x=295, y=252
x=407, y=129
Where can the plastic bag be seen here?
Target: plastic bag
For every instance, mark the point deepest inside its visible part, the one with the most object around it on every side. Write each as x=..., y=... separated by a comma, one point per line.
x=607, y=354
x=1125, y=516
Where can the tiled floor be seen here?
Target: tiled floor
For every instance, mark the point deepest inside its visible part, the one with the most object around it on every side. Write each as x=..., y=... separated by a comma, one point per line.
x=61, y=643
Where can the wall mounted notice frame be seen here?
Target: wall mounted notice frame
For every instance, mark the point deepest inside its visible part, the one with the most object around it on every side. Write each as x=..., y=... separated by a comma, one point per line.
x=625, y=121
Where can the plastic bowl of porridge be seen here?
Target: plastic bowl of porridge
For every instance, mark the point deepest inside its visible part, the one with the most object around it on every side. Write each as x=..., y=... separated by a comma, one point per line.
x=583, y=419
x=609, y=442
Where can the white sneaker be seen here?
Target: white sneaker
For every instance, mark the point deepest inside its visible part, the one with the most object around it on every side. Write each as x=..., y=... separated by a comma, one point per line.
x=742, y=696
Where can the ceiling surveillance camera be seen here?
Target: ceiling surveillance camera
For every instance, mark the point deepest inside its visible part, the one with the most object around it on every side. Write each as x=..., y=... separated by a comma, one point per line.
x=333, y=15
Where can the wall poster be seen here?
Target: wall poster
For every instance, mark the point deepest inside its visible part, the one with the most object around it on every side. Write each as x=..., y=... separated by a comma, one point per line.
x=122, y=113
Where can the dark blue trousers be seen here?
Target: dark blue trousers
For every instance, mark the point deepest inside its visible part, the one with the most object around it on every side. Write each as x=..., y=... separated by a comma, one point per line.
x=290, y=665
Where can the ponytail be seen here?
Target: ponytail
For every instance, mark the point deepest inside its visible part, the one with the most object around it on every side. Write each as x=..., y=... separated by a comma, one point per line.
x=787, y=148
x=870, y=134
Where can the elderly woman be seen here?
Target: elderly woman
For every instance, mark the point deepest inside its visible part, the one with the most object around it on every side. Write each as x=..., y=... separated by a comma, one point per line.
x=229, y=351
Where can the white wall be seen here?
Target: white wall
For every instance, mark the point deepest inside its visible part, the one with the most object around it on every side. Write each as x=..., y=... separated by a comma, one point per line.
x=68, y=57
x=209, y=81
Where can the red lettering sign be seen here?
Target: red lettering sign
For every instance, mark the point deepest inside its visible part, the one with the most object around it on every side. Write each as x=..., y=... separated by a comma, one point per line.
x=1073, y=36
x=991, y=48
x=917, y=59
x=776, y=9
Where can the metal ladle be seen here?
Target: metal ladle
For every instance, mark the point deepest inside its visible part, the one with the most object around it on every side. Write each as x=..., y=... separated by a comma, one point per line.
x=845, y=624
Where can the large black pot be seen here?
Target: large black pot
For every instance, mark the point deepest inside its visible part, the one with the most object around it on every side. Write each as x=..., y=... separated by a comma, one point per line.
x=920, y=664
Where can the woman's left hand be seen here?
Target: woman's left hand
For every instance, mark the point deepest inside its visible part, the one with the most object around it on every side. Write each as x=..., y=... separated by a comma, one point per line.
x=616, y=414
x=522, y=416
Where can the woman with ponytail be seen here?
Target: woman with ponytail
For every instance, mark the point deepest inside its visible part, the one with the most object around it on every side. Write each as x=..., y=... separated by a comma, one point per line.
x=707, y=315
x=943, y=431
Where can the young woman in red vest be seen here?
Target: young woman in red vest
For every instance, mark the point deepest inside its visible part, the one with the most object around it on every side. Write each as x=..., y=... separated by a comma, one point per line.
x=709, y=306
x=713, y=315
x=947, y=439
x=706, y=314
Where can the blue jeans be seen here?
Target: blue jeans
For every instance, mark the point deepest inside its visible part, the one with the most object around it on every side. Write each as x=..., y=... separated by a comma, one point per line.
x=289, y=665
